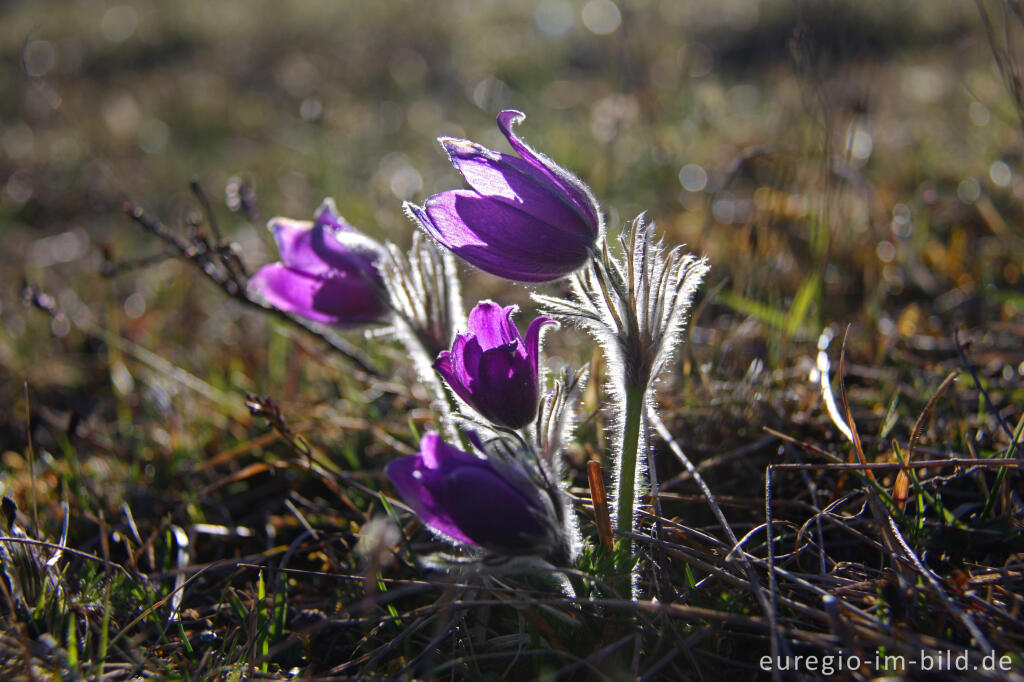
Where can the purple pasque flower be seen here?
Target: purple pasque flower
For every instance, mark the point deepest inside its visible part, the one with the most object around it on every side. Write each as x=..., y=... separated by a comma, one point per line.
x=475, y=501
x=526, y=218
x=327, y=271
x=492, y=368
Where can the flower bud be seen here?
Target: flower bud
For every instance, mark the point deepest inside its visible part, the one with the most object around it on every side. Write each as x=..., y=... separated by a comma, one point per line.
x=476, y=501
x=327, y=271
x=492, y=368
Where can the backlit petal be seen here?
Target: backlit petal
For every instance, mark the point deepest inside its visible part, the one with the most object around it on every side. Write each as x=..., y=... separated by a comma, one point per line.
x=520, y=184
x=345, y=299
x=492, y=324
x=506, y=387
x=532, y=342
x=452, y=376
x=327, y=214
x=408, y=476
x=501, y=239
x=491, y=511
x=580, y=194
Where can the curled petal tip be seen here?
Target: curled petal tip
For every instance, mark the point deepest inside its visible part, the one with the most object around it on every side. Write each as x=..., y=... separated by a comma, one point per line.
x=443, y=361
x=533, y=335
x=510, y=116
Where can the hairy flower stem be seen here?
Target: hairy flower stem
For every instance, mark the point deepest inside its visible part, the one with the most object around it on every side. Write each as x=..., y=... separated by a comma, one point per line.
x=445, y=421
x=634, y=305
x=625, y=500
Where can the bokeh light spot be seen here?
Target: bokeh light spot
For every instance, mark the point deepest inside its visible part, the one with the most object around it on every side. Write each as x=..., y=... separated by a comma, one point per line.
x=601, y=17
x=119, y=23
x=693, y=178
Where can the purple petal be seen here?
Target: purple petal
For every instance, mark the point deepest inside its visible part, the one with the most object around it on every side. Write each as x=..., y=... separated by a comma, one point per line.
x=490, y=510
x=443, y=366
x=498, y=367
x=452, y=375
x=317, y=250
x=327, y=214
x=492, y=324
x=500, y=239
x=506, y=387
x=467, y=359
x=345, y=299
x=518, y=183
x=580, y=194
x=459, y=358
x=436, y=453
x=294, y=242
x=533, y=338
x=470, y=499
x=407, y=475
x=430, y=444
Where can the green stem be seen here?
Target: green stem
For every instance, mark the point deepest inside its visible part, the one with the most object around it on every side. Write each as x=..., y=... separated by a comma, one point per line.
x=624, y=511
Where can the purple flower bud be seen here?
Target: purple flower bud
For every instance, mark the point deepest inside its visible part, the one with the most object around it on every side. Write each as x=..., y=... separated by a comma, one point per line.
x=327, y=271
x=492, y=368
x=475, y=501
x=525, y=219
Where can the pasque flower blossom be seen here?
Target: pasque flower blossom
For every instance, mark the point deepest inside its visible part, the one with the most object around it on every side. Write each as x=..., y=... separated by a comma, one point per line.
x=526, y=218
x=476, y=501
x=327, y=271
x=493, y=368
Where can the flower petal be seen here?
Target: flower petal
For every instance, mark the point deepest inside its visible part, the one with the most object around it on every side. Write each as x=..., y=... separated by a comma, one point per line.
x=491, y=511
x=473, y=500
x=581, y=195
x=465, y=357
x=408, y=477
x=294, y=242
x=519, y=184
x=452, y=375
x=506, y=387
x=318, y=250
x=436, y=453
x=533, y=333
x=492, y=324
x=501, y=239
x=327, y=214
x=344, y=299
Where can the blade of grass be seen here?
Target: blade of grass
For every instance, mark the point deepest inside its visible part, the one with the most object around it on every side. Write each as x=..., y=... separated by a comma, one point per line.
x=262, y=623
x=997, y=486
x=72, y=643
x=796, y=316
x=105, y=641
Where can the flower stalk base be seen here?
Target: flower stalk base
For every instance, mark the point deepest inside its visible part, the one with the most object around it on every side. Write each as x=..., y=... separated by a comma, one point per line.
x=625, y=498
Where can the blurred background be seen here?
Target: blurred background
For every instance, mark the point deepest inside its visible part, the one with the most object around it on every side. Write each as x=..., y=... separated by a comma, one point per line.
x=839, y=162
